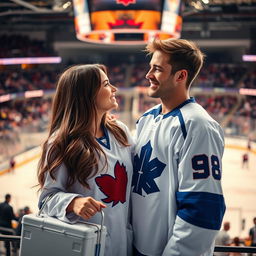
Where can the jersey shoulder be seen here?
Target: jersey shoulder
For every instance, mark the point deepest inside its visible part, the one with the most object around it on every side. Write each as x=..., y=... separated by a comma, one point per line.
x=122, y=125
x=127, y=131
x=195, y=114
x=199, y=123
x=151, y=113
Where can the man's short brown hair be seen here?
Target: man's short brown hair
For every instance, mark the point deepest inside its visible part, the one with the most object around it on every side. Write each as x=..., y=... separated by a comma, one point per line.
x=183, y=54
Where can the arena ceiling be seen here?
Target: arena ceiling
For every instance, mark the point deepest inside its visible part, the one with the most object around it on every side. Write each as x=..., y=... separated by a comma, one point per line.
x=202, y=19
x=32, y=11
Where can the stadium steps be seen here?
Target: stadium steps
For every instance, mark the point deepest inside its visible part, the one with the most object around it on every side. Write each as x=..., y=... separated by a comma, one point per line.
x=128, y=74
x=232, y=112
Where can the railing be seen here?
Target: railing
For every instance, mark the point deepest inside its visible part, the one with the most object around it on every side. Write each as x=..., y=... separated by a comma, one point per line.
x=9, y=230
x=10, y=238
x=239, y=249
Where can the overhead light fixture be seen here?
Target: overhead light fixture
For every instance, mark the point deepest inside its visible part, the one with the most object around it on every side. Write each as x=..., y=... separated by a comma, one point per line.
x=205, y=1
x=66, y=5
x=197, y=5
x=60, y=5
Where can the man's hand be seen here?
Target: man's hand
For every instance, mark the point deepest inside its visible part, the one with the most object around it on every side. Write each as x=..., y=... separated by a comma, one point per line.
x=111, y=117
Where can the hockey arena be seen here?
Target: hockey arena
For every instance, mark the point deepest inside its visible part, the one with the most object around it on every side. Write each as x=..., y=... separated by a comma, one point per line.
x=238, y=185
x=41, y=39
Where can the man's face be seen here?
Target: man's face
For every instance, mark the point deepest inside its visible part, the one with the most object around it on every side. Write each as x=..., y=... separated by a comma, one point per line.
x=159, y=76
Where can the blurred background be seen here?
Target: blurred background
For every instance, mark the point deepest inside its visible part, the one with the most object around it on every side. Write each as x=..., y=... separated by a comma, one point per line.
x=39, y=39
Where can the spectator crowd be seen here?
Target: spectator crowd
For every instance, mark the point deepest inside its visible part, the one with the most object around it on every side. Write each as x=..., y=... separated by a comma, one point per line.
x=15, y=45
x=18, y=114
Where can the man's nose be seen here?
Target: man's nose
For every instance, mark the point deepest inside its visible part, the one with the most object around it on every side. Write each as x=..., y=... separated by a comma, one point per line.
x=148, y=74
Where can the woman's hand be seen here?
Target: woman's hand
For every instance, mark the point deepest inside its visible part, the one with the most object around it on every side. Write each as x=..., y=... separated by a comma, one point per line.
x=111, y=117
x=85, y=207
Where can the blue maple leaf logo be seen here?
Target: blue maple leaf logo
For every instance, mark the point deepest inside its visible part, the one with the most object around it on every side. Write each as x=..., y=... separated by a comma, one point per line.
x=145, y=171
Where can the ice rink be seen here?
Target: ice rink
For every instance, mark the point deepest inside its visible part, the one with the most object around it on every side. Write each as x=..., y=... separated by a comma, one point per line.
x=239, y=185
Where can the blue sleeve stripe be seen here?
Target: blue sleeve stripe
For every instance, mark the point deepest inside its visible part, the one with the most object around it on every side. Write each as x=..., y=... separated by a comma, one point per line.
x=202, y=209
x=178, y=113
x=182, y=124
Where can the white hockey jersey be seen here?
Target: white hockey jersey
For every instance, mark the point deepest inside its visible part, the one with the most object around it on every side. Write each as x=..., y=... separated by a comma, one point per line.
x=177, y=201
x=112, y=187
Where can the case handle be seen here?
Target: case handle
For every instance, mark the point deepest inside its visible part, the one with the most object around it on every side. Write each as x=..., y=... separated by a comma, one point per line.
x=44, y=203
x=97, y=247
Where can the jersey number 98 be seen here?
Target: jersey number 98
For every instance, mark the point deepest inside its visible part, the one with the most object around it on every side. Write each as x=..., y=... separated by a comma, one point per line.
x=204, y=166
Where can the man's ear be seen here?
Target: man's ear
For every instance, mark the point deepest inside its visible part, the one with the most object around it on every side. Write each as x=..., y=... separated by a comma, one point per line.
x=181, y=75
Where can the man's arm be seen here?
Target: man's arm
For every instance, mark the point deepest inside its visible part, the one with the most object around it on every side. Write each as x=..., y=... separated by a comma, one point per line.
x=11, y=214
x=251, y=234
x=200, y=203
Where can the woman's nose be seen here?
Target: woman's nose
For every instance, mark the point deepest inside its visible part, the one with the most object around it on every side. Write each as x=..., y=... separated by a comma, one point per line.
x=114, y=89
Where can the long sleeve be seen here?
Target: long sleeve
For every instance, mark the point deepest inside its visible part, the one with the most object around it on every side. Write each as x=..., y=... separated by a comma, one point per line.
x=58, y=203
x=200, y=203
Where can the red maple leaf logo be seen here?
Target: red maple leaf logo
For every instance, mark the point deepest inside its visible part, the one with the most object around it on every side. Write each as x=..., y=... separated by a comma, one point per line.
x=125, y=24
x=126, y=2
x=114, y=187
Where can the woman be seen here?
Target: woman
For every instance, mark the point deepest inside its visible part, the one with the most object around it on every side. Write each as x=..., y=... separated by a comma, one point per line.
x=87, y=159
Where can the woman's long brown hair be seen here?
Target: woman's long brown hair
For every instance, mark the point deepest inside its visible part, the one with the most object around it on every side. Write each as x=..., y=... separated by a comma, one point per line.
x=70, y=140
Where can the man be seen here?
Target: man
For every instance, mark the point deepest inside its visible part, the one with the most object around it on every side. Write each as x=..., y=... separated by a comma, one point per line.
x=6, y=217
x=177, y=201
x=252, y=233
x=25, y=211
x=12, y=165
x=223, y=238
x=245, y=160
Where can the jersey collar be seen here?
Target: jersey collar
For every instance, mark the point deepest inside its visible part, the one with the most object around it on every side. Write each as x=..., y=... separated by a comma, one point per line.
x=104, y=140
x=157, y=111
x=175, y=111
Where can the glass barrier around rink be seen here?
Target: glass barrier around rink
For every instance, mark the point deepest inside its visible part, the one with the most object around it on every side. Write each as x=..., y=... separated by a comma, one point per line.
x=241, y=126
x=15, y=140
x=20, y=139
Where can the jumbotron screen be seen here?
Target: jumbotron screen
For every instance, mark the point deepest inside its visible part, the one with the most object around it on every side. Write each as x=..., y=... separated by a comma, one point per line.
x=127, y=21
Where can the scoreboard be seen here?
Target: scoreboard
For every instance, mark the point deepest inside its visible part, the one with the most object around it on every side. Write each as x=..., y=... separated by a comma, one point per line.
x=126, y=21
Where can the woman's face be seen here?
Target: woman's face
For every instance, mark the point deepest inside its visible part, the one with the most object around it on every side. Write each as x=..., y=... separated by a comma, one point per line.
x=106, y=99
